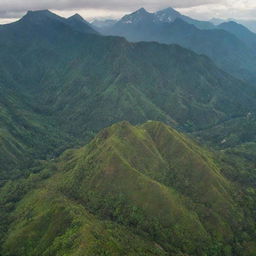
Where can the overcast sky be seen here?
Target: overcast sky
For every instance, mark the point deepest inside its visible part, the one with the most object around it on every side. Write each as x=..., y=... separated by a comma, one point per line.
x=89, y=9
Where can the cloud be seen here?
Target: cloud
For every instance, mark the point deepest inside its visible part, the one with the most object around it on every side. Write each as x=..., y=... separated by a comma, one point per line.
x=10, y=14
x=13, y=7
x=201, y=9
x=237, y=9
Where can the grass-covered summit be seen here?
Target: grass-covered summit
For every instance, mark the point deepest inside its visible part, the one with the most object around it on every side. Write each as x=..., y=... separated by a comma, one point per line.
x=145, y=190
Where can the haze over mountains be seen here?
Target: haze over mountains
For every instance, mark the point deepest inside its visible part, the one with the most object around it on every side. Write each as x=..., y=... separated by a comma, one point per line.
x=138, y=187
x=250, y=24
x=231, y=49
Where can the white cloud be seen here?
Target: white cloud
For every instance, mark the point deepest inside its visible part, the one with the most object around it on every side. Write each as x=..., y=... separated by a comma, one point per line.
x=21, y=5
x=201, y=9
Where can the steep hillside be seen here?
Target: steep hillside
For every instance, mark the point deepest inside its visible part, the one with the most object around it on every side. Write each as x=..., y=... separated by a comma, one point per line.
x=231, y=133
x=25, y=136
x=144, y=190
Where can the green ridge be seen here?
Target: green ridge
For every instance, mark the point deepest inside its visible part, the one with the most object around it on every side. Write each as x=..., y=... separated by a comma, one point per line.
x=150, y=184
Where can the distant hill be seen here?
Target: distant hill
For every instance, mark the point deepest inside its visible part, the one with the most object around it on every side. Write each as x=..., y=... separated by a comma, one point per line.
x=244, y=34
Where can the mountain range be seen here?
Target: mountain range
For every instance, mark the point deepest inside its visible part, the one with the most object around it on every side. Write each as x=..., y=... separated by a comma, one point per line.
x=176, y=178
x=230, y=45
x=103, y=80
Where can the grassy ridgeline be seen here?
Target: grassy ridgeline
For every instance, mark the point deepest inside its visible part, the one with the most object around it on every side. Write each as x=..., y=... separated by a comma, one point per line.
x=146, y=188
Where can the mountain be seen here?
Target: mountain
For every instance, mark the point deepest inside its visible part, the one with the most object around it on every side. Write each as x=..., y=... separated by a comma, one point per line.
x=83, y=82
x=249, y=24
x=244, y=34
x=142, y=18
x=76, y=22
x=145, y=190
x=79, y=24
x=169, y=15
x=137, y=23
x=223, y=47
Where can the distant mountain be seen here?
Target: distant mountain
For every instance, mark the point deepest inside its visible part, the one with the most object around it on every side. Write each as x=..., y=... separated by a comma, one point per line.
x=169, y=15
x=250, y=24
x=229, y=52
x=137, y=24
x=42, y=15
x=78, y=23
x=141, y=16
x=124, y=65
x=145, y=190
x=243, y=33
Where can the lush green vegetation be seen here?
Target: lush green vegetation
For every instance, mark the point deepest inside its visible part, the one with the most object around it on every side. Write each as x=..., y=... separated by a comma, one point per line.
x=25, y=136
x=146, y=188
x=132, y=190
x=85, y=82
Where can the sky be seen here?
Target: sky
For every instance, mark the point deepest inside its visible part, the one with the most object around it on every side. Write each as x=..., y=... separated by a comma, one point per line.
x=11, y=10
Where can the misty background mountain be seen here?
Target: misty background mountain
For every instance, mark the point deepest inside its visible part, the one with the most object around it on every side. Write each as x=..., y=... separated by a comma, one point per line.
x=230, y=45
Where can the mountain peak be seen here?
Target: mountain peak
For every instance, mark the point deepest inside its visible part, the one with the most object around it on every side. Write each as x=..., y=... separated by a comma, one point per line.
x=138, y=16
x=78, y=23
x=141, y=10
x=169, y=10
x=39, y=12
x=77, y=17
x=167, y=15
x=41, y=15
